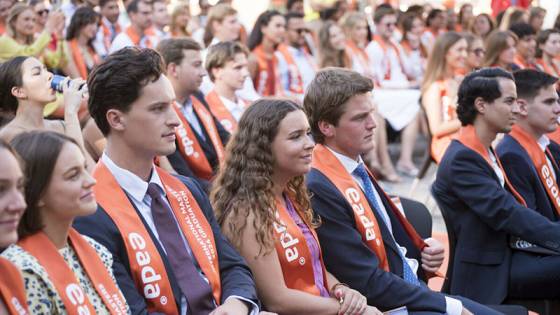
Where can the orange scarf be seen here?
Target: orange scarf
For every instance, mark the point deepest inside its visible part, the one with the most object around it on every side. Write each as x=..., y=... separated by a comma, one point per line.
x=555, y=135
x=538, y=158
x=12, y=291
x=293, y=252
x=67, y=285
x=469, y=138
x=386, y=59
x=366, y=223
x=136, y=38
x=518, y=60
x=552, y=69
x=188, y=144
x=220, y=111
x=440, y=144
x=357, y=54
x=294, y=76
x=78, y=58
x=107, y=34
x=266, y=82
x=146, y=264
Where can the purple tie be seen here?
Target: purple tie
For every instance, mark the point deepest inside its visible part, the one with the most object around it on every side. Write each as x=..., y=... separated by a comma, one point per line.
x=197, y=291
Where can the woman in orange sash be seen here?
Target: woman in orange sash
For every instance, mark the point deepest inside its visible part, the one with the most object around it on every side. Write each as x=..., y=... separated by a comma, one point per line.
x=548, y=51
x=358, y=36
x=439, y=90
x=500, y=50
x=264, y=209
x=79, y=38
x=64, y=272
x=12, y=205
x=265, y=37
x=415, y=54
x=332, y=47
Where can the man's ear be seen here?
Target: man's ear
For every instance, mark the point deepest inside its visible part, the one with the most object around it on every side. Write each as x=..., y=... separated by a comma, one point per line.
x=523, y=107
x=171, y=70
x=326, y=128
x=480, y=105
x=115, y=119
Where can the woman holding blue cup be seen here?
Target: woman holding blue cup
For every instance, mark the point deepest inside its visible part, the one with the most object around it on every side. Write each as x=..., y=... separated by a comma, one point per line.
x=26, y=87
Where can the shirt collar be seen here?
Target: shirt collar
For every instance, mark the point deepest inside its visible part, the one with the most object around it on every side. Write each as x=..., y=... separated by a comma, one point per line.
x=543, y=142
x=349, y=164
x=134, y=186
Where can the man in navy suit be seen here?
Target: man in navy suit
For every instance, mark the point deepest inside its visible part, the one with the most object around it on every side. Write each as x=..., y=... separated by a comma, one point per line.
x=485, y=210
x=366, y=242
x=185, y=70
x=525, y=152
x=169, y=256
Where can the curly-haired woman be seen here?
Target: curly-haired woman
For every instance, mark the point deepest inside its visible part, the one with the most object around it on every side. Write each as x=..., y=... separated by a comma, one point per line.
x=264, y=209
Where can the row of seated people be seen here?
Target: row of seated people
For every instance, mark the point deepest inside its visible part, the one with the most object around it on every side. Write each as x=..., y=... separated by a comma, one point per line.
x=173, y=250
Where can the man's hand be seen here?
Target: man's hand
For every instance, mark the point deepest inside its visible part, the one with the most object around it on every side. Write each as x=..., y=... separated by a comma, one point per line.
x=466, y=312
x=432, y=255
x=232, y=306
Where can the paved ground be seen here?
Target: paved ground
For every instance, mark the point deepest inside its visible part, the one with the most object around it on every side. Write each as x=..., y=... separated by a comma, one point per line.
x=421, y=192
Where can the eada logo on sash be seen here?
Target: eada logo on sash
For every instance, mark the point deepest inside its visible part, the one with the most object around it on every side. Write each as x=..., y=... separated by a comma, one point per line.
x=150, y=278
x=353, y=196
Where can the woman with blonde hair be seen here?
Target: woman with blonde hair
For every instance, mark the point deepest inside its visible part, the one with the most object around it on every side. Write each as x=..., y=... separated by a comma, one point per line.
x=332, y=47
x=180, y=18
x=20, y=40
x=263, y=207
x=439, y=90
x=355, y=27
x=500, y=50
x=482, y=25
x=222, y=25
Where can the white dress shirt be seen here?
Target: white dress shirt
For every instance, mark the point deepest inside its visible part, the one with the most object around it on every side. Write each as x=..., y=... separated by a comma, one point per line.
x=453, y=306
x=543, y=143
x=136, y=188
x=236, y=109
x=188, y=111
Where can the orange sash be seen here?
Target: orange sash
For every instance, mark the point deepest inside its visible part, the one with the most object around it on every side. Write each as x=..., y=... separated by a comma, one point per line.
x=2, y=29
x=538, y=158
x=12, y=291
x=188, y=144
x=220, y=111
x=266, y=83
x=295, y=81
x=468, y=137
x=64, y=279
x=555, y=135
x=357, y=54
x=386, y=59
x=366, y=223
x=293, y=252
x=136, y=38
x=78, y=58
x=146, y=264
x=107, y=34
x=553, y=70
x=518, y=60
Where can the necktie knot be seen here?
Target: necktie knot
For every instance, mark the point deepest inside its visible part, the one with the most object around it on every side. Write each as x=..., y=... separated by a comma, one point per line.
x=361, y=172
x=153, y=191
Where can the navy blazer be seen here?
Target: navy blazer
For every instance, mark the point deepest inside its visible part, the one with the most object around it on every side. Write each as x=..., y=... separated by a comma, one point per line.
x=236, y=277
x=524, y=177
x=351, y=261
x=178, y=162
x=483, y=215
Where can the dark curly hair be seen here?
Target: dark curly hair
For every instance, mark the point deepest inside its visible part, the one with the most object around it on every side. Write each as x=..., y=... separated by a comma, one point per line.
x=481, y=83
x=244, y=184
x=117, y=81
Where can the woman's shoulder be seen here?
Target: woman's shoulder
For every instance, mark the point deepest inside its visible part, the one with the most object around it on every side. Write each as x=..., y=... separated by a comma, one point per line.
x=102, y=251
x=24, y=261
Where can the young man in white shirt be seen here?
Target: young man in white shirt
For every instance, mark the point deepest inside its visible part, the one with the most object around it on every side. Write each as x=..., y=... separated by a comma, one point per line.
x=109, y=26
x=226, y=65
x=140, y=14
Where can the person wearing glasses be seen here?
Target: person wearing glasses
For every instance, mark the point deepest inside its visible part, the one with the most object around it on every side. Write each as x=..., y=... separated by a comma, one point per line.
x=397, y=93
x=475, y=52
x=297, y=66
x=439, y=89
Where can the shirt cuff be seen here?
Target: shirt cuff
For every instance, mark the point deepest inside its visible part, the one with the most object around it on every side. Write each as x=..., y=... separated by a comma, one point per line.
x=254, y=309
x=453, y=306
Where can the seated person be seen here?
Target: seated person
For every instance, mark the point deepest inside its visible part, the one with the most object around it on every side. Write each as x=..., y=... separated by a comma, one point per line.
x=63, y=271
x=267, y=160
x=524, y=152
x=169, y=254
x=485, y=210
x=226, y=65
x=12, y=205
x=384, y=258
x=396, y=96
x=526, y=45
x=439, y=90
x=200, y=138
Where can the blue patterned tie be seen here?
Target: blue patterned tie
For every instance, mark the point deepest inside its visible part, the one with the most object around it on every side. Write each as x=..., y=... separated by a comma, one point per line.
x=361, y=172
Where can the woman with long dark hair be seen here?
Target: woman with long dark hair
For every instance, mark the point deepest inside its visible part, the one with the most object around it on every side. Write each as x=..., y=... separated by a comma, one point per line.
x=79, y=42
x=262, y=204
